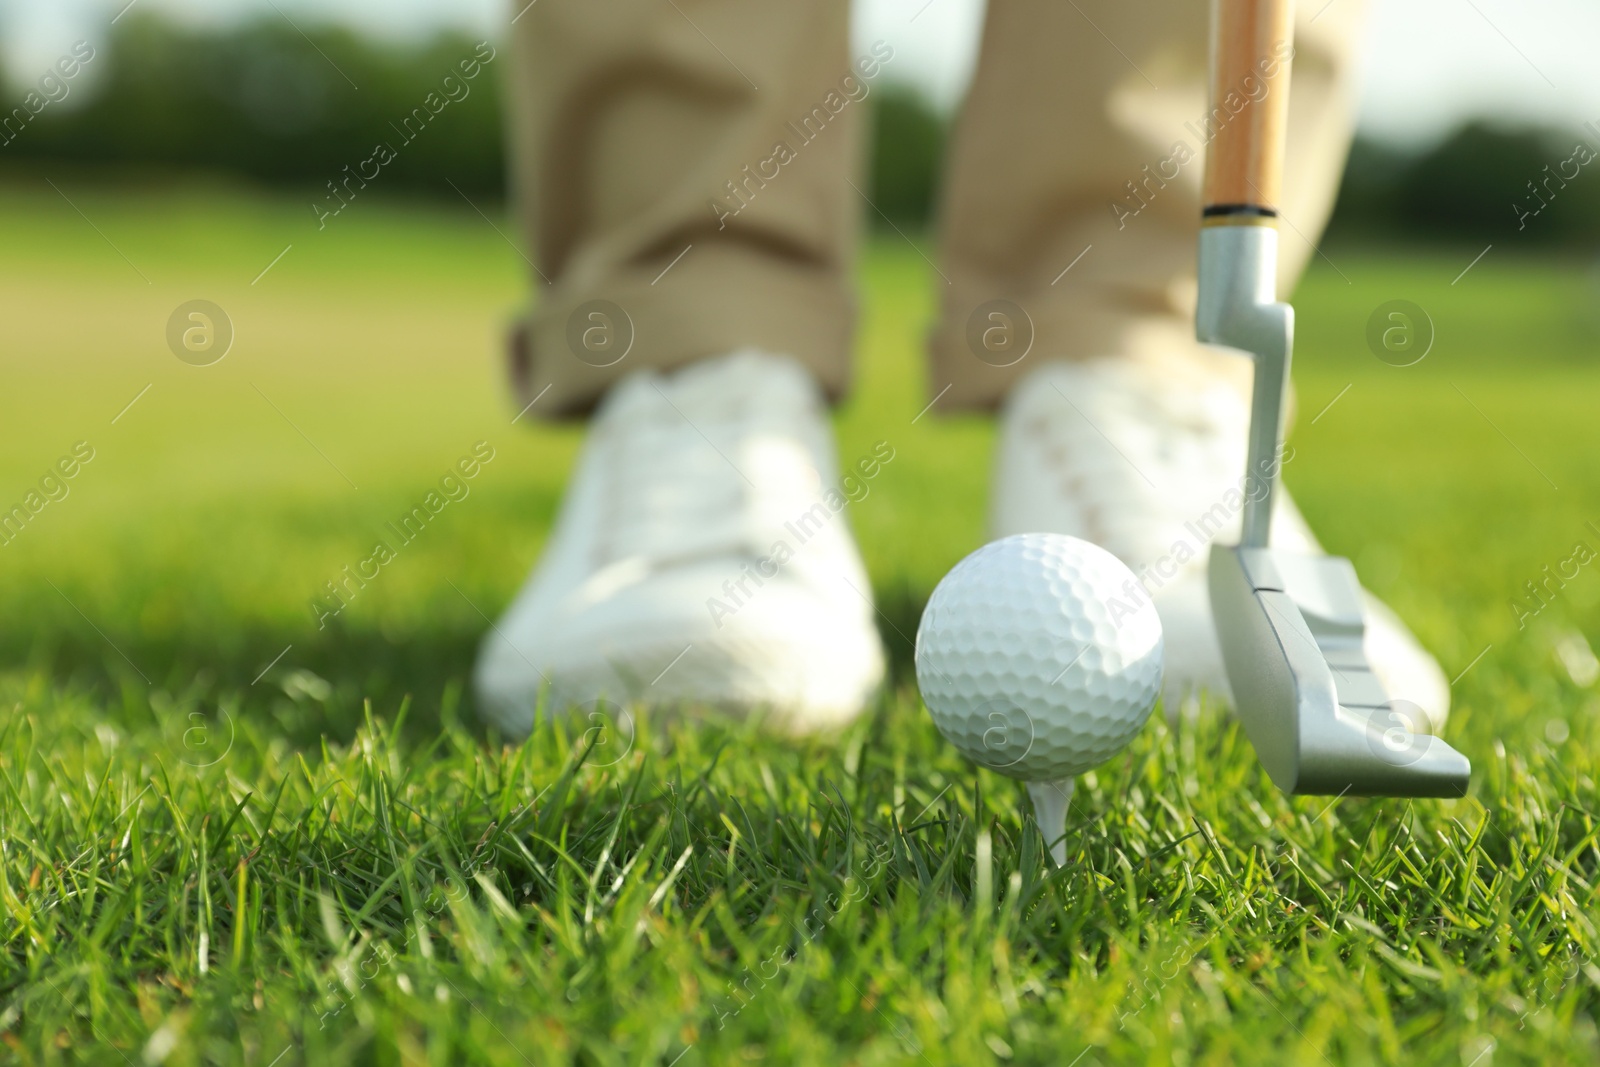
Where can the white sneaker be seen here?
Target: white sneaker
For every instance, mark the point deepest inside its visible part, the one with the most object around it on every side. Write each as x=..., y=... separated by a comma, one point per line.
x=1149, y=467
x=698, y=558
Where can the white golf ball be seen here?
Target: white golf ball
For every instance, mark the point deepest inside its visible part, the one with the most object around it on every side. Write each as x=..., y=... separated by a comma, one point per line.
x=1039, y=656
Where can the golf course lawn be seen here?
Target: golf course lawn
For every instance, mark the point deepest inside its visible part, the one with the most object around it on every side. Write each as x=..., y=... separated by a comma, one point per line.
x=230, y=836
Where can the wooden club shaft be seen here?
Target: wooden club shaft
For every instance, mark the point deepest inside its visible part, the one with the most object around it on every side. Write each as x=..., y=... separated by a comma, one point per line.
x=1252, y=43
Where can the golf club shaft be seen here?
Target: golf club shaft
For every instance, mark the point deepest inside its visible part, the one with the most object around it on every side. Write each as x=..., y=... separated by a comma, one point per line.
x=1251, y=46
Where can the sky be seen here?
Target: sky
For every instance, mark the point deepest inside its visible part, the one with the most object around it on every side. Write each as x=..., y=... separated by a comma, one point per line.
x=1428, y=65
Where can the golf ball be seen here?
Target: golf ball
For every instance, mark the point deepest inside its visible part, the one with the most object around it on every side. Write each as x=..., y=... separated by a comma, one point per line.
x=1039, y=656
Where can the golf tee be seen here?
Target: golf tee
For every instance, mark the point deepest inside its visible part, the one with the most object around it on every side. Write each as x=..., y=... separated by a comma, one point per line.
x=1050, y=803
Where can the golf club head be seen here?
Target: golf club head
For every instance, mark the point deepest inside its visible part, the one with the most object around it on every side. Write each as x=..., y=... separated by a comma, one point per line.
x=1291, y=628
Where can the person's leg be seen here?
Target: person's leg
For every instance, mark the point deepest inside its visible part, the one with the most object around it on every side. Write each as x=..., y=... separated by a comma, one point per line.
x=686, y=164
x=1073, y=188
x=1070, y=230
x=683, y=177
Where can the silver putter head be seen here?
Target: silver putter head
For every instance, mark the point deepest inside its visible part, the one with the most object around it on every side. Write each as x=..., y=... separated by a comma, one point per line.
x=1291, y=626
x=1291, y=630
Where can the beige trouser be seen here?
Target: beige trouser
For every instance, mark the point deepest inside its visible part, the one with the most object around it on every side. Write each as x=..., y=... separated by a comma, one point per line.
x=687, y=173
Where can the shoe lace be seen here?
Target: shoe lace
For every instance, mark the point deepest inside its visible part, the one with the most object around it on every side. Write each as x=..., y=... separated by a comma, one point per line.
x=1145, y=465
x=692, y=480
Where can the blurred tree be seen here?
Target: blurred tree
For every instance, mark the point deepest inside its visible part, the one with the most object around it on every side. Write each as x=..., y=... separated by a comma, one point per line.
x=1473, y=187
x=262, y=101
x=907, y=153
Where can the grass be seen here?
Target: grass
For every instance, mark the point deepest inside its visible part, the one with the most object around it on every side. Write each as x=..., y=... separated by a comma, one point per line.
x=228, y=836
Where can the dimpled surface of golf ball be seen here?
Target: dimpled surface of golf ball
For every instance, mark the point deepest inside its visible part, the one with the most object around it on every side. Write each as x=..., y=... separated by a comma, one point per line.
x=1039, y=656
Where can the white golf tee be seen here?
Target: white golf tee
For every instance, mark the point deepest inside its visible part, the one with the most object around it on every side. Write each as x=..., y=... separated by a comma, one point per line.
x=1050, y=803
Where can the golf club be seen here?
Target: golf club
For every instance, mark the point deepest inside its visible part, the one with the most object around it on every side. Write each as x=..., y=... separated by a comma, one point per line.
x=1291, y=626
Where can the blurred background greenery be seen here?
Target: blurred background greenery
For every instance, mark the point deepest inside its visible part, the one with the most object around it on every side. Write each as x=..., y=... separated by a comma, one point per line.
x=255, y=100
